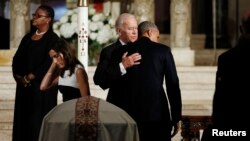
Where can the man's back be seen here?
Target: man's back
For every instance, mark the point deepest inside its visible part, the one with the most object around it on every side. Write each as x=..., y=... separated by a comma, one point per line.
x=148, y=101
x=146, y=82
x=231, y=102
x=230, y=99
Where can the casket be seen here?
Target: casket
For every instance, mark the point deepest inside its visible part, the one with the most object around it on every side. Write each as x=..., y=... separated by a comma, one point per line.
x=88, y=119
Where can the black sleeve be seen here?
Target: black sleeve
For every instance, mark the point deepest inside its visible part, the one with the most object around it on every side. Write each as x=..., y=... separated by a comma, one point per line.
x=108, y=68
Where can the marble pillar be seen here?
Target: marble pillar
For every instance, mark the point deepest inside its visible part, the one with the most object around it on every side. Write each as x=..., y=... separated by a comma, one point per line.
x=113, y=8
x=180, y=11
x=144, y=10
x=20, y=21
x=19, y=26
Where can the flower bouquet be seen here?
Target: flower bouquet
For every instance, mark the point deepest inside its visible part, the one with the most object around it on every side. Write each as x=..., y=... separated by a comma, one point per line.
x=101, y=30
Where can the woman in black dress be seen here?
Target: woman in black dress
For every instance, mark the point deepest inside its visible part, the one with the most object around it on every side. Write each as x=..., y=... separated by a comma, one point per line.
x=30, y=64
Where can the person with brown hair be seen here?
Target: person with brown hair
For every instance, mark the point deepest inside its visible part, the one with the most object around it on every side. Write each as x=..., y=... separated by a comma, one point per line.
x=30, y=63
x=67, y=72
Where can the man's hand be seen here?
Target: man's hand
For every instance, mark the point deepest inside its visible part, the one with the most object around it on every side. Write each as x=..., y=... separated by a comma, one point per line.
x=176, y=129
x=131, y=60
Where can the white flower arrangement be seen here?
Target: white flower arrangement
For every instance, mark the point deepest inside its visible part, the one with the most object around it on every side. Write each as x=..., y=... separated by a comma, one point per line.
x=101, y=29
x=66, y=27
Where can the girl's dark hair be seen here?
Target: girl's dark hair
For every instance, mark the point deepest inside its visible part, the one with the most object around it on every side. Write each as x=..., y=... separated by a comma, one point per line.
x=70, y=59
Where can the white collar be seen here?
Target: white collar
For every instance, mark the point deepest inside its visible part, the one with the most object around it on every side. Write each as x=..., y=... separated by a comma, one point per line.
x=122, y=42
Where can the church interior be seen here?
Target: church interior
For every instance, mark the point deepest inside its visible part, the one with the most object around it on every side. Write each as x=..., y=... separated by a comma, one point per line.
x=197, y=32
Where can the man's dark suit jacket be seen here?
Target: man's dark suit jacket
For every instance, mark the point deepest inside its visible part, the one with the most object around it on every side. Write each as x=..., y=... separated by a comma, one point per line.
x=103, y=76
x=100, y=75
x=142, y=87
x=231, y=102
x=231, y=99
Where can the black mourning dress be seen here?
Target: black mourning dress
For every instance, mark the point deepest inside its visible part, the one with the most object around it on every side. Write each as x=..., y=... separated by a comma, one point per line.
x=31, y=104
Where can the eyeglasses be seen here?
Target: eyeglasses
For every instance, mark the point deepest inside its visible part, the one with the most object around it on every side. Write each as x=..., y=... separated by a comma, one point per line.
x=38, y=16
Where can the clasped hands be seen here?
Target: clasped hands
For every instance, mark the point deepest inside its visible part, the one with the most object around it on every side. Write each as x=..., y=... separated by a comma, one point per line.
x=131, y=60
x=25, y=80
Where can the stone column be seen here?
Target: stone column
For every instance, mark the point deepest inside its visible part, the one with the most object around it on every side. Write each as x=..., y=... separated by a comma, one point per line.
x=115, y=9
x=180, y=11
x=20, y=21
x=112, y=7
x=144, y=10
